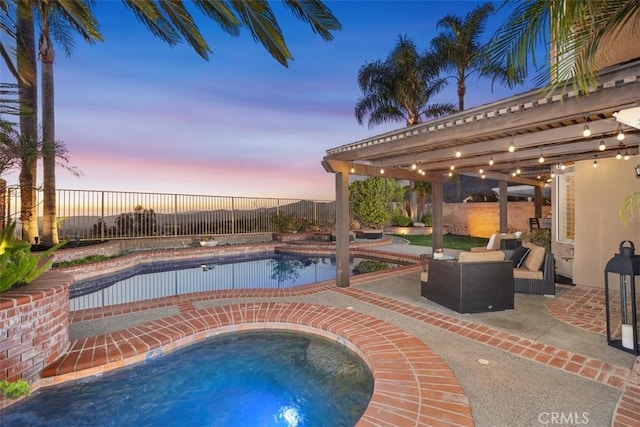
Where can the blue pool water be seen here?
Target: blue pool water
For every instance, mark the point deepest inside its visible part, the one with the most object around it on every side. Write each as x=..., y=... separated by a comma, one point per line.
x=168, y=279
x=254, y=379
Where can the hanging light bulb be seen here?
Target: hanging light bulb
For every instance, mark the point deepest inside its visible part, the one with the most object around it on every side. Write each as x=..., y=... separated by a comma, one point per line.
x=620, y=135
x=483, y=176
x=595, y=162
x=618, y=155
x=626, y=154
x=420, y=171
x=458, y=152
x=352, y=170
x=541, y=158
x=512, y=147
x=586, y=132
x=414, y=166
x=452, y=167
x=553, y=175
x=539, y=177
x=481, y=170
x=490, y=161
x=518, y=171
x=602, y=145
x=513, y=173
x=381, y=171
x=450, y=174
x=423, y=173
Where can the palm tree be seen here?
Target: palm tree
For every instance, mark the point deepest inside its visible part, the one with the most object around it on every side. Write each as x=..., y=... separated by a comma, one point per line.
x=460, y=51
x=28, y=107
x=57, y=18
x=400, y=87
x=566, y=29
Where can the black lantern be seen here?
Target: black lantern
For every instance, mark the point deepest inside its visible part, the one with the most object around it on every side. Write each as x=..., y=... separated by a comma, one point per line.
x=622, y=323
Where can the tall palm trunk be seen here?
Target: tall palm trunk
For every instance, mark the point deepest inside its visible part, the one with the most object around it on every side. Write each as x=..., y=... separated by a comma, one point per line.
x=49, y=226
x=28, y=99
x=462, y=89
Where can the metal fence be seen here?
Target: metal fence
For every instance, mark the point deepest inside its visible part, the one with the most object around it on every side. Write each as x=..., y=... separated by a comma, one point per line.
x=105, y=215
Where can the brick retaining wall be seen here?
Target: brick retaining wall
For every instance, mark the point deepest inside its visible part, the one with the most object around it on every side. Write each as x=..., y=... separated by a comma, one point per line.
x=34, y=325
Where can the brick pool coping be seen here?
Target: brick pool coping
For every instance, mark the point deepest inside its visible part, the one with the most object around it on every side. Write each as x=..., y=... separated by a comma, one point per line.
x=412, y=385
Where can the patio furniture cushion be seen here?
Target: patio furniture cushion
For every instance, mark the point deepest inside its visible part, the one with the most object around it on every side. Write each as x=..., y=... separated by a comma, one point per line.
x=524, y=273
x=495, y=242
x=481, y=256
x=535, y=258
x=519, y=255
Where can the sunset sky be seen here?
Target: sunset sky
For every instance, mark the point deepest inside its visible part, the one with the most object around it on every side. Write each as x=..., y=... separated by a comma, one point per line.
x=138, y=115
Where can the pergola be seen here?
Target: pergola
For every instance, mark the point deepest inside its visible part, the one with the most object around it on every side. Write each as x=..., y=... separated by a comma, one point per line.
x=545, y=129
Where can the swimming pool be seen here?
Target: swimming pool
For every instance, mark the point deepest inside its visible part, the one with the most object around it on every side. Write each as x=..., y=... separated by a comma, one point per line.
x=250, y=379
x=157, y=280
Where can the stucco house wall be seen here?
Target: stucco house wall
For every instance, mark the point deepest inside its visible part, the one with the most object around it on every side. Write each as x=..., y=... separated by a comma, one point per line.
x=599, y=192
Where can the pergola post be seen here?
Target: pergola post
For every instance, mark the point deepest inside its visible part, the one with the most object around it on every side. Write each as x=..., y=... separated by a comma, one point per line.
x=437, y=197
x=342, y=229
x=504, y=202
x=538, y=201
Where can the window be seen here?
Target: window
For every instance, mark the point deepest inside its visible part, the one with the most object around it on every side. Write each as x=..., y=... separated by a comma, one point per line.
x=566, y=207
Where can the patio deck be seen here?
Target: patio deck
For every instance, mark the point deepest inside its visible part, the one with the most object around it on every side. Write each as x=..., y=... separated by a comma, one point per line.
x=546, y=360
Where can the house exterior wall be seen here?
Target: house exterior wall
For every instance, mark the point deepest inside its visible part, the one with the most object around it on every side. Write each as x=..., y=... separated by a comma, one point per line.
x=599, y=193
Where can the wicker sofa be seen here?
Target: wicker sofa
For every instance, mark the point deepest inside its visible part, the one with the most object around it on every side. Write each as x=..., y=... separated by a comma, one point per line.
x=476, y=283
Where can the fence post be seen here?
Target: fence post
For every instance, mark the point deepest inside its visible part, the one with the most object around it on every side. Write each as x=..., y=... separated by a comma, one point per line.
x=102, y=224
x=233, y=215
x=175, y=215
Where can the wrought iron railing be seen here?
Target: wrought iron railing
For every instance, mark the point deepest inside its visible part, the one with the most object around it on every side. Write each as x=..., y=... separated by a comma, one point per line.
x=105, y=215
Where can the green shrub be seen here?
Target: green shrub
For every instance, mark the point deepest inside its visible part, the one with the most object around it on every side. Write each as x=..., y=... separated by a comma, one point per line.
x=369, y=266
x=14, y=389
x=18, y=265
x=401, y=220
x=427, y=219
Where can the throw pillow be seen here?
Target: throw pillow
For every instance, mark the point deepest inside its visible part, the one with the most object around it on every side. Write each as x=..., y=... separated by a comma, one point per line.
x=535, y=259
x=519, y=256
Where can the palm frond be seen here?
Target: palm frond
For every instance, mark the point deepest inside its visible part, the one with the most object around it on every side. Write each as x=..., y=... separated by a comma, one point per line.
x=258, y=18
x=317, y=14
x=185, y=25
x=148, y=13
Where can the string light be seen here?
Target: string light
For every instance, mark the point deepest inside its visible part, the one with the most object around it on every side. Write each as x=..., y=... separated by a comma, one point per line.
x=414, y=166
x=626, y=154
x=450, y=174
x=381, y=171
x=481, y=170
x=618, y=155
x=602, y=145
x=452, y=167
x=541, y=158
x=353, y=169
x=458, y=152
x=595, y=162
x=620, y=135
x=512, y=147
x=490, y=161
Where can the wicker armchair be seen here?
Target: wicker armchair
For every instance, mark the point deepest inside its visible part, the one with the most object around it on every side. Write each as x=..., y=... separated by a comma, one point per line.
x=470, y=287
x=540, y=282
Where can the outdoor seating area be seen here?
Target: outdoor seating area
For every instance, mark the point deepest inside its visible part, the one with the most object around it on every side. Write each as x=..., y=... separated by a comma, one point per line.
x=486, y=280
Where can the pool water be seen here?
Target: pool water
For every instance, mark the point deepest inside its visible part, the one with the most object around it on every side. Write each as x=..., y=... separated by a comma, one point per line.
x=253, y=379
x=169, y=279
